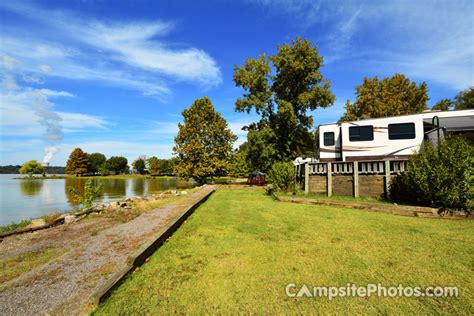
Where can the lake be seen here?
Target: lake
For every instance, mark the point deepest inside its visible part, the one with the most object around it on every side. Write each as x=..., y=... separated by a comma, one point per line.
x=24, y=198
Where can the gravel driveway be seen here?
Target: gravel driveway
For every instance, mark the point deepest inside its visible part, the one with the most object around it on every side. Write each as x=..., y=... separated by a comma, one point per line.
x=87, y=255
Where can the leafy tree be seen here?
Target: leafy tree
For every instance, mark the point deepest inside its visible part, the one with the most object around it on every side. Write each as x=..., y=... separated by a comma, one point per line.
x=117, y=164
x=167, y=165
x=204, y=142
x=32, y=167
x=78, y=163
x=388, y=97
x=282, y=88
x=465, y=99
x=239, y=166
x=153, y=165
x=140, y=164
x=444, y=105
x=96, y=160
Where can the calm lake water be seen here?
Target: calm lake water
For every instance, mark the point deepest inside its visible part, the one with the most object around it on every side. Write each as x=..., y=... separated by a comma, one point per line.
x=24, y=199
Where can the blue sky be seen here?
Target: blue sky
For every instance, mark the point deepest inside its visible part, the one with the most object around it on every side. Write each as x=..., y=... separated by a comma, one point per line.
x=114, y=76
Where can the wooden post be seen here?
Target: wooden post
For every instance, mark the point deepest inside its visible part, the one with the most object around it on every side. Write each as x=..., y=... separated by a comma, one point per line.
x=356, y=178
x=387, y=179
x=306, y=178
x=329, y=178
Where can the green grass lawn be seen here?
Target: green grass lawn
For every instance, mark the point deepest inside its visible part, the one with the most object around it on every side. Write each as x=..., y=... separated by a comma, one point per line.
x=240, y=249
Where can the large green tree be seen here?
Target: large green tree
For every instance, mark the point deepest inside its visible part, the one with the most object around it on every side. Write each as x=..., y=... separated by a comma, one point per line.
x=282, y=88
x=96, y=160
x=153, y=164
x=387, y=97
x=78, y=163
x=117, y=164
x=32, y=167
x=204, y=142
x=139, y=164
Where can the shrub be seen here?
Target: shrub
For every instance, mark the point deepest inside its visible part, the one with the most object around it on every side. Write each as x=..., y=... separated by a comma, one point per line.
x=91, y=192
x=282, y=176
x=438, y=177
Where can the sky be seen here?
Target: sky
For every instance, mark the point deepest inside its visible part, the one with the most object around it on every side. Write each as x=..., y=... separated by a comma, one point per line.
x=114, y=76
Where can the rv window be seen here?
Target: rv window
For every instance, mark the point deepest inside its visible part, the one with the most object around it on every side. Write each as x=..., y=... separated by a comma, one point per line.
x=361, y=133
x=329, y=139
x=401, y=131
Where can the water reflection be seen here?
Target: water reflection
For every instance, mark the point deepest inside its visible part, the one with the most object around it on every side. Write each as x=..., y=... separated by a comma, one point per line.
x=30, y=198
x=114, y=187
x=138, y=186
x=31, y=187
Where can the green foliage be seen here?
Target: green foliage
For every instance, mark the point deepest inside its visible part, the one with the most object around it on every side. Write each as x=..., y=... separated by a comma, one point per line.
x=96, y=160
x=260, y=147
x=166, y=166
x=32, y=167
x=465, y=99
x=282, y=175
x=388, y=97
x=153, y=165
x=204, y=142
x=103, y=170
x=139, y=165
x=161, y=166
x=239, y=166
x=117, y=164
x=78, y=163
x=91, y=192
x=282, y=95
x=444, y=105
x=438, y=177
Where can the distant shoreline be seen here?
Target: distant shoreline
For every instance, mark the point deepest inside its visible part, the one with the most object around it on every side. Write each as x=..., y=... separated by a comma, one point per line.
x=119, y=176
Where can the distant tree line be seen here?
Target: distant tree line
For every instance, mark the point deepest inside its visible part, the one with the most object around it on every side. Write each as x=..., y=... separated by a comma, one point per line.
x=82, y=163
x=15, y=169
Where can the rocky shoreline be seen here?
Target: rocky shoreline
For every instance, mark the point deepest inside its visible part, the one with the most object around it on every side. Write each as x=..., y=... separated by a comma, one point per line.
x=70, y=217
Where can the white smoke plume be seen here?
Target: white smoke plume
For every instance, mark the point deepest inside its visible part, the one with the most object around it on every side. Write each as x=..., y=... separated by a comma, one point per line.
x=49, y=153
x=50, y=120
x=41, y=106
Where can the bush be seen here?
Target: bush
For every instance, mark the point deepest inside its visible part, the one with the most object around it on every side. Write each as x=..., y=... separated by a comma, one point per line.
x=438, y=177
x=91, y=192
x=282, y=175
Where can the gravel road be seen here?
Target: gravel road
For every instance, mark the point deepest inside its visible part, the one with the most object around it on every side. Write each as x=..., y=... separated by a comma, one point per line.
x=89, y=254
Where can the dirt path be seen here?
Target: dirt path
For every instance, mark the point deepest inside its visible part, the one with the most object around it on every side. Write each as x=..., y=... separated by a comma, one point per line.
x=86, y=254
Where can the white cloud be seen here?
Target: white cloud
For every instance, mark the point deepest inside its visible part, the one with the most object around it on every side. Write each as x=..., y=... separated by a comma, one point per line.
x=9, y=83
x=44, y=68
x=53, y=93
x=424, y=39
x=164, y=128
x=8, y=62
x=127, y=54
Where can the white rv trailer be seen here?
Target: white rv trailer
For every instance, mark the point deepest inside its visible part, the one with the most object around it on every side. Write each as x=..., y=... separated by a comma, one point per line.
x=389, y=137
